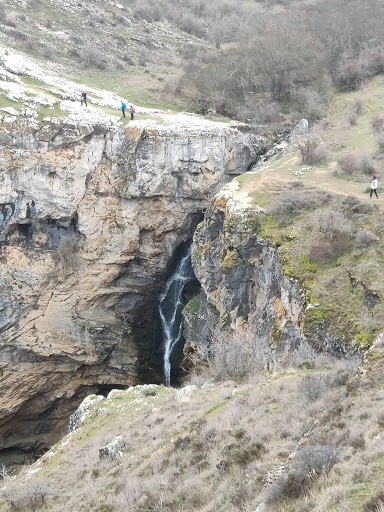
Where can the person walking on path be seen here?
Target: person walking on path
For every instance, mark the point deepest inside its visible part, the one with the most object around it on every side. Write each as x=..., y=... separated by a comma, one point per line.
x=84, y=99
x=123, y=107
x=132, y=111
x=374, y=187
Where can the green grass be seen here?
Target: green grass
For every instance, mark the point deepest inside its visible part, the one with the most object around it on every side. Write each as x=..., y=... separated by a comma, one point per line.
x=6, y=102
x=55, y=112
x=28, y=80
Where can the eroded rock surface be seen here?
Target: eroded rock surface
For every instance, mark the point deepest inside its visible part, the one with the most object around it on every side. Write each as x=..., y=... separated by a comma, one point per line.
x=91, y=219
x=244, y=288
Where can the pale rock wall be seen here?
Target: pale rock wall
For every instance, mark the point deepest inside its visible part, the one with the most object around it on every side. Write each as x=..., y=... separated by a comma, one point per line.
x=81, y=269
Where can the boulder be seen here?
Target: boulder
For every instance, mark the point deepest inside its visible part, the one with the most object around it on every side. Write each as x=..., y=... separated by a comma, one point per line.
x=113, y=449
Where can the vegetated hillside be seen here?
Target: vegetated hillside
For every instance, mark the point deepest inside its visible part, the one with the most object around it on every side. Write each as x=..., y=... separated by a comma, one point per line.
x=102, y=44
x=251, y=60
x=307, y=440
x=319, y=214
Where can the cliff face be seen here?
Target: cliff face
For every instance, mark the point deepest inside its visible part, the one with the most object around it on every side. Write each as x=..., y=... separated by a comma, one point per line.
x=243, y=287
x=91, y=220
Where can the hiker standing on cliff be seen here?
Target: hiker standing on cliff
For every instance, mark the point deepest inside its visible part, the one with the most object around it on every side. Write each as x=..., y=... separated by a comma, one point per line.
x=84, y=99
x=374, y=187
x=132, y=111
x=123, y=107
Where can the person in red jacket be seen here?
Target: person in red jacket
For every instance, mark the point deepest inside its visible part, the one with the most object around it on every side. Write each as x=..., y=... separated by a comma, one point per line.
x=132, y=111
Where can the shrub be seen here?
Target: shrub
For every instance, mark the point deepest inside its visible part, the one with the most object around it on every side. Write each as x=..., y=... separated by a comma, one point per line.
x=29, y=497
x=377, y=124
x=310, y=462
x=293, y=201
x=358, y=106
x=233, y=357
x=290, y=485
x=317, y=459
x=380, y=141
x=242, y=455
x=311, y=151
x=311, y=104
x=366, y=165
x=334, y=224
x=91, y=57
x=324, y=251
x=357, y=441
x=364, y=237
x=348, y=164
x=352, y=117
x=311, y=386
x=350, y=75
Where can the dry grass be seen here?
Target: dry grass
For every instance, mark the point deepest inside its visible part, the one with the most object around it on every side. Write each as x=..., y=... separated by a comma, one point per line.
x=223, y=447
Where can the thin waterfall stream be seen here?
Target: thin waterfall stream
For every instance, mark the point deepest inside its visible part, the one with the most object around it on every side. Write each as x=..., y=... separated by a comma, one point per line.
x=171, y=304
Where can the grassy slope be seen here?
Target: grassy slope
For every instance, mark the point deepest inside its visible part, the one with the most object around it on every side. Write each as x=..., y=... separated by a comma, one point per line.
x=216, y=448
x=138, y=60
x=328, y=283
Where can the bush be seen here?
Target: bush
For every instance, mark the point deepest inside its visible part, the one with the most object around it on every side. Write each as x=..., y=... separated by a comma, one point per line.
x=28, y=497
x=334, y=225
x=311, y=386
x=348, y=164
x=349, y=75
x=91, y=57
x=366, y=165
x=310, y=462
x=311, y=104
x=312, y=152
x=317, y=459
x=233, y=357
x=377, y=124
x=322, y=252
x=380, y=141
x=357, y=441
x=364, y=237
x=292, y=202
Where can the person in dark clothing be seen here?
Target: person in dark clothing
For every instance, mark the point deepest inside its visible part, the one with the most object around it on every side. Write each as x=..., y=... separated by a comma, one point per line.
x=28, y=213
x=123, y=107
x=33, y=208
x=132, y=111
x=84, y=98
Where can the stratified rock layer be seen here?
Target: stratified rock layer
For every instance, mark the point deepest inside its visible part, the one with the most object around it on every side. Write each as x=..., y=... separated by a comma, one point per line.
x=243, y=288
x=91, y=219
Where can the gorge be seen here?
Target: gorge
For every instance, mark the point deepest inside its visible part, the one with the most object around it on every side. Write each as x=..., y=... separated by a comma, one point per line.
x=93, y=220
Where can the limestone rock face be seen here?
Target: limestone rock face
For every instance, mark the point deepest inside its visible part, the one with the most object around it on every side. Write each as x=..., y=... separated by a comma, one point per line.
x=243, y=288
x=91, y=219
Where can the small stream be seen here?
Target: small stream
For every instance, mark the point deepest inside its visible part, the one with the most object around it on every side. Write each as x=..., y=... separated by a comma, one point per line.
x=171, y=304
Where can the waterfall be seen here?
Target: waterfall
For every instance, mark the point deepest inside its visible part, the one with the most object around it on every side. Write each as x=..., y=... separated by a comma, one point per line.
x=171, y=305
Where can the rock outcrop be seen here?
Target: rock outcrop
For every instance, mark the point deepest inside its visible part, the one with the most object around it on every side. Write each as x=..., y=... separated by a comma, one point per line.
x=91, y=220
x=244, y=288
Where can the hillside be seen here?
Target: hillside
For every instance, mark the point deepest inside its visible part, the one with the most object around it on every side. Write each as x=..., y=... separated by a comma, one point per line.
x=304, y=440
x=102, y=45
x=328, y=231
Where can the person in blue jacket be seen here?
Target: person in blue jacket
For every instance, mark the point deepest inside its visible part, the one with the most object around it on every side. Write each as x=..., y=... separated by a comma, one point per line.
x=123, y=107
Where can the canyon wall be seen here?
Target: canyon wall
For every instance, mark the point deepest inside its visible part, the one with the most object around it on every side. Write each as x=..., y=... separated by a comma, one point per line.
x=244, y=290
x=91, y=221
